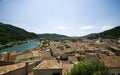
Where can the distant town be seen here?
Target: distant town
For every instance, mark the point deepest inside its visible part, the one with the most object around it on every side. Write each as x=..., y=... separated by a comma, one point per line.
x=55, y=54
x=57, y=57
x=59, y=37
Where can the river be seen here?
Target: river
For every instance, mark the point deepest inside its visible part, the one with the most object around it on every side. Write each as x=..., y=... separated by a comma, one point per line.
x=23, y=47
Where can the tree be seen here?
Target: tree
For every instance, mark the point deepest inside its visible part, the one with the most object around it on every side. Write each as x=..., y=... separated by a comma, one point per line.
x=89, y=68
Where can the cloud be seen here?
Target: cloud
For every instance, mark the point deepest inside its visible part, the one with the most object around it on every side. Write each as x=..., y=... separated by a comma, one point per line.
x=106, y=28
x=86, y=27
x=61, y=27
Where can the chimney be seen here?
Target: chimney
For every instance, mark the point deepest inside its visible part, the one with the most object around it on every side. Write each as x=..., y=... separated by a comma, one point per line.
x=8, y=56
x=26, y=66
x=58, y=58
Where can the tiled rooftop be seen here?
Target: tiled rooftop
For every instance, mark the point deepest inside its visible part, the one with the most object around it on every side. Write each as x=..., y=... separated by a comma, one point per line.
x=4, y=69
x=111, y=61
x=49, y=64
x=35, y=53
x=8, y=68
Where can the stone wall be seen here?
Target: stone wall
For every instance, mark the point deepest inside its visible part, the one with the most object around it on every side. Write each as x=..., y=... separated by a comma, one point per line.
x=48, y=71
x=114, y=71
x=3, y=63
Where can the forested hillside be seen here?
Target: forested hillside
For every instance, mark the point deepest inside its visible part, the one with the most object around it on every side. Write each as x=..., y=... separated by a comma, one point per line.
x=9, y=33
x=108, y=34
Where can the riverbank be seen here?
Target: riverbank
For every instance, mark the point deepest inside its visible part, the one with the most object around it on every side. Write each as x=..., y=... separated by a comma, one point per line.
x=22, y=47
x=11, y=44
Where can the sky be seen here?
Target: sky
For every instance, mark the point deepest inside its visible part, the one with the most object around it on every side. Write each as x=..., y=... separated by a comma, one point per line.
x=67, y=17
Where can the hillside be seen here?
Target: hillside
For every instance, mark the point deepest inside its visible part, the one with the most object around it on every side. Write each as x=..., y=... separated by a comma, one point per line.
x=108, y=34
x=52, y=36
x=9, y=33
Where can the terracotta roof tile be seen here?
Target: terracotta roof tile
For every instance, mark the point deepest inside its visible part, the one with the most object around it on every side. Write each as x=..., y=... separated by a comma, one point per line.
x=49, y=64
x=111, y=61
x=8, y=68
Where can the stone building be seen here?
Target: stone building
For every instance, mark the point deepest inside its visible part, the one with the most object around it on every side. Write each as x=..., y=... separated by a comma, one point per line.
x=112, y=63
x=91, y=56
x=52, y=67
x=119, y=40
x=48, y=67
x=8, y=56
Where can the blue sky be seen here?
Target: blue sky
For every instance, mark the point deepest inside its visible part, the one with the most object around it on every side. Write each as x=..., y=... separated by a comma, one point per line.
x=68, y=17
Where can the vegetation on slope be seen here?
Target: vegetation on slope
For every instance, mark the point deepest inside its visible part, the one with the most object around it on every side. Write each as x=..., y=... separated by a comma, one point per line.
x=9, y=33
x=89, y=68
x=108, y=34
x=52, y=36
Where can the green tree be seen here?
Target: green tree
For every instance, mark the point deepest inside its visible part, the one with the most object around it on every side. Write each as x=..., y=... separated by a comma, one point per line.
x=89, y=68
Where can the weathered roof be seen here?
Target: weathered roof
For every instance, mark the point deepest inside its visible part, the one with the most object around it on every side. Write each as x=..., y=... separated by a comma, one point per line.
x=110, y=61
x=77, y=54
x=73, y=59
x=49, y=64
x=91, y=54
x=35, y=53
x=67, y=68
x=8, y=68
x=13, y=53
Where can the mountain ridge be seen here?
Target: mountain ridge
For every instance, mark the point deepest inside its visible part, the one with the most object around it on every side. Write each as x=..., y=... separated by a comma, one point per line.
x=113, y=33
x=52, y=36
x=9, y=33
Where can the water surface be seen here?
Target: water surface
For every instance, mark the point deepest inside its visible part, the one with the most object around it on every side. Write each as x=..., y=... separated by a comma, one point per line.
x=23, y=47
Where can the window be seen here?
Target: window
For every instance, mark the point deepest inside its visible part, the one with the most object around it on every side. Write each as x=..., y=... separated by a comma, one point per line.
x=56, y=74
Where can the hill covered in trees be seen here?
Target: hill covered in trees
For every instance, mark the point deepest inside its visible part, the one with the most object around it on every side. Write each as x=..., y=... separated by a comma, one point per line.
x=52, y=36
x=9, y=33
x=108, y=34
